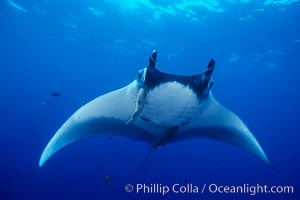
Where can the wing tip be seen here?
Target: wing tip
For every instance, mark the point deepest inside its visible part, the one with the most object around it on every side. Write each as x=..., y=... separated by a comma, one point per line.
x=41, y=163
x=263, y=157
x=43, y=158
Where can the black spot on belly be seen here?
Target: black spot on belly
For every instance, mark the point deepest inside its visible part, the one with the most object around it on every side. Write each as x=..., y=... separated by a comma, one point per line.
x=145, y=119
x=166, y=136
x=184, y=123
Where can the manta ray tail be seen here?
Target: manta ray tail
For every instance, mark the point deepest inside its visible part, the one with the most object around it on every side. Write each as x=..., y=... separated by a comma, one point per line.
x=150, y=150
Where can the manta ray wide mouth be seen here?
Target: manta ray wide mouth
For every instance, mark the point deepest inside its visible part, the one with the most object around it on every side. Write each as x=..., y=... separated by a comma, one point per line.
x=201, y=83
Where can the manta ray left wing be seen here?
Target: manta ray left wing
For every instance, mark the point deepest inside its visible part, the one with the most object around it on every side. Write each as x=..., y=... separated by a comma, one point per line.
x=105, y=115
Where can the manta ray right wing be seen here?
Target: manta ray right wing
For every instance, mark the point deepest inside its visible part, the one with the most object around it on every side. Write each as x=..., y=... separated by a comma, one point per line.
x=216, y=122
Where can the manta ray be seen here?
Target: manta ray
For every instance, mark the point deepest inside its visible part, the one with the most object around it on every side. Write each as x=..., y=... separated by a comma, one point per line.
x=158, y=108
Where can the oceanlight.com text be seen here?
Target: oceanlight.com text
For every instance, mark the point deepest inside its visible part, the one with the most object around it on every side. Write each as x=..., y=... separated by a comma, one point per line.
x=212, y=188
x=250, y=189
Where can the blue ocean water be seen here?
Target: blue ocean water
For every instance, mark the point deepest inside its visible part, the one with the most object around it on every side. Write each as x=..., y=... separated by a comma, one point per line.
x=83, y=49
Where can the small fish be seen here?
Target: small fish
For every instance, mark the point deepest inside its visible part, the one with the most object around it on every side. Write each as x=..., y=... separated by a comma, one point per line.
x=55, y=94
x=106, y=179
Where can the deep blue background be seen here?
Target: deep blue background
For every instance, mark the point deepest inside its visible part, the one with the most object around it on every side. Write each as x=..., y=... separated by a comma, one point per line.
x=64, y=46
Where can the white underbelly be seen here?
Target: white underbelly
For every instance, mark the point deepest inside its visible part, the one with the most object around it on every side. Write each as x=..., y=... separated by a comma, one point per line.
x=169, y=104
